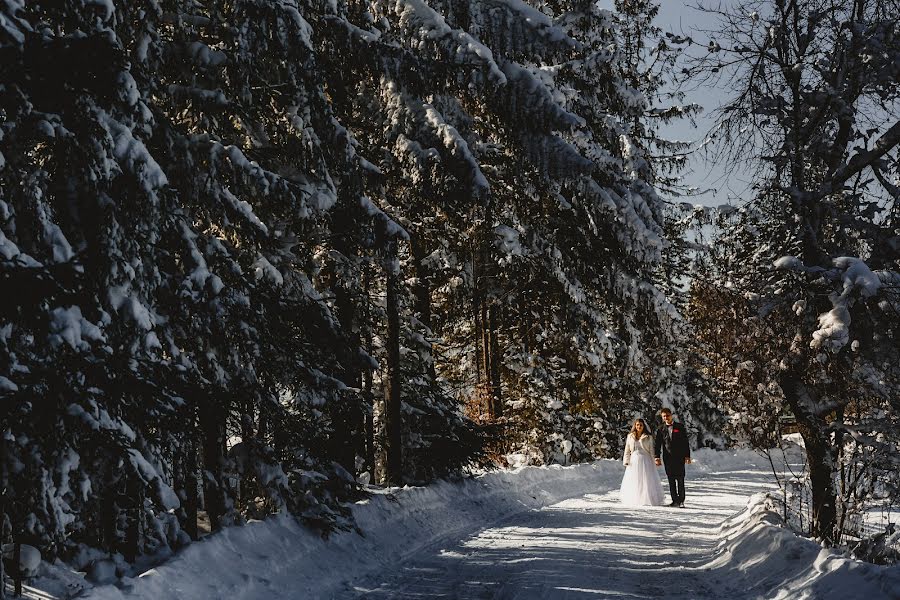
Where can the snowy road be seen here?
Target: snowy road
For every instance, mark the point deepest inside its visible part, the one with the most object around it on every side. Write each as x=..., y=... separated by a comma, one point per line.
x=535, y=532
x=586, y=547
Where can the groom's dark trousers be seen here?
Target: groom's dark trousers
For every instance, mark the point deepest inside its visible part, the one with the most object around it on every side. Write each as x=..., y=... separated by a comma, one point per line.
x=673, y=448
x=676, y=481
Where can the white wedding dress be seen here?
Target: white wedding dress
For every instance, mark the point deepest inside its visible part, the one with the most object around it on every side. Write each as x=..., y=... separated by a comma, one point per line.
x=640, y=485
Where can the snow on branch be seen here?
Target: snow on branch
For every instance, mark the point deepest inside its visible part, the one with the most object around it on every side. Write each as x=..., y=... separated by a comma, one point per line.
x=132, y=154
x=244, y=209
x=431, y=31
x=313, y=197
x=12, y=28
x=207, y=97
x=98, y=418
x=515, y=28
x=68, y=326
x=857, y=163
x=392, y=228
x=856, y=280
x=528, y=97
x=634, y=225
x=411, y=119
x=554, y=156
x=149, y=475
x=458, y=148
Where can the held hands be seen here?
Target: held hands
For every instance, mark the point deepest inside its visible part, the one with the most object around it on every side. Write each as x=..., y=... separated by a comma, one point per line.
x=687, y=461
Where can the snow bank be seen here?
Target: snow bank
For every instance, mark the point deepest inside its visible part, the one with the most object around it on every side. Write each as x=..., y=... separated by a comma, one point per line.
x=249, y=562
x=775, y=563
x=278, y=558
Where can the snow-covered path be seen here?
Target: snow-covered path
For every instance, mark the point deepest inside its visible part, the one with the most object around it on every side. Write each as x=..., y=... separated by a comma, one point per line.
x=585, y=547
x=535, y=532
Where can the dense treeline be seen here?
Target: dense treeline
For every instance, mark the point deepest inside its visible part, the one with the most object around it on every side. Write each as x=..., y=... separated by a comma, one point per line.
x=252, y=252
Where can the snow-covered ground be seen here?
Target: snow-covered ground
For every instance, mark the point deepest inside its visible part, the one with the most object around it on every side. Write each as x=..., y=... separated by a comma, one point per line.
x=556, y=532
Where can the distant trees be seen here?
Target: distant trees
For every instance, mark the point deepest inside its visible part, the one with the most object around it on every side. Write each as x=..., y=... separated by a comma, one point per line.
x=257, y=251
x=800, y=309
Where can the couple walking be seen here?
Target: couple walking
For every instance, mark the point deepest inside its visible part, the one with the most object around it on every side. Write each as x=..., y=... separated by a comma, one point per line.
x=640, y=485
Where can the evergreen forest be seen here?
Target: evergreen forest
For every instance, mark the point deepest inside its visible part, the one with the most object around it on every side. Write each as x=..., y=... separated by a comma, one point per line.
x=257, y=256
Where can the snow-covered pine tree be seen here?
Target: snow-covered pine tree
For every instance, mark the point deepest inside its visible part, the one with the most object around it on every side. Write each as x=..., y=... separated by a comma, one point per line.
x=159, y=233
x=682, y=377
x=418, y=163
x=650, y=61
x=81, y=195
x=473, y=143
x=606, y=255
x=255, y=156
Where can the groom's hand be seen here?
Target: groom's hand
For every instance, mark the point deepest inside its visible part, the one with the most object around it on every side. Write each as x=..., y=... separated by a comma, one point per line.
x=687, y=460
x=658, y=462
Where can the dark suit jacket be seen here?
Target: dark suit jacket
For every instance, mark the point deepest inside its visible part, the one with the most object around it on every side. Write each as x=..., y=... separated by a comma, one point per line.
x=672, y=449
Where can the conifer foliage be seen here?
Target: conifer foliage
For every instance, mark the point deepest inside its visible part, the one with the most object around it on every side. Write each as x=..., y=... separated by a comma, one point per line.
x=254, y=252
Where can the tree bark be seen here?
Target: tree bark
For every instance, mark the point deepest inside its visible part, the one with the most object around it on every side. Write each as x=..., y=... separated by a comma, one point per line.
x=17, y=566
x=819, y=456
x=3, y=486
x=350, y=424
x=188, y=484
x=134, y=488
x=392, y=398
x=367, y=374
x=422, y=295
x=496, y=397
x=212, y=429
x=485, y=340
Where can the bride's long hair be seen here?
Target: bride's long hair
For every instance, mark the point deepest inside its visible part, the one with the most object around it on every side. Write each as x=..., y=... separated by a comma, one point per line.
x=645, y=430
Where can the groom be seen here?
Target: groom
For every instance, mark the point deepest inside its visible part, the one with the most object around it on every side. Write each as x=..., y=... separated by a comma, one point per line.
x=672, y=443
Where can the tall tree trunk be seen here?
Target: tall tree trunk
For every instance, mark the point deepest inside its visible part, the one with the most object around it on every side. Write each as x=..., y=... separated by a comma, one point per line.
x=262, y=424
x=134, y=488
x=496, y=397
x=370, y=422
x=108, y=509
x=476, y=315
x=368, y=392
x=212, y=429
x=819, y=456
x=350, y=422
x=17, y=569
x=392, y=399
x=422, y=295
x=821, y=476
x=524, y=321
x=485, y=339
x=483, y=346
x=478, y=358
x=486, y=321
x=188, y=484
x=3, y=516
x=248, y=420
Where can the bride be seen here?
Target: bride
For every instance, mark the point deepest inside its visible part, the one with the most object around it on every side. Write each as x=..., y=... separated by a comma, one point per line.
x=640, y=486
